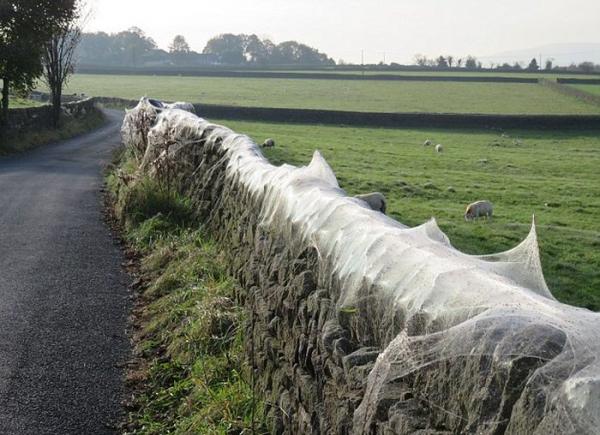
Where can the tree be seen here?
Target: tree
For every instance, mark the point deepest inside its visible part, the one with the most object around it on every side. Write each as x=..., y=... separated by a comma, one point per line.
x=25, y=26
x=471, y=62
x=587, y=67
x=228, y=47
x=59, y=60
x=241, y=49
x=134, y=45
x=549, y=64
x=420, y=60
x=533, y=65
x=179, y=45
x=441, y=62
x=450, y=60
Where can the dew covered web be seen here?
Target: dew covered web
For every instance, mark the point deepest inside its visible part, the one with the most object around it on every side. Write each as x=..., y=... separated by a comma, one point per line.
x=483, y=344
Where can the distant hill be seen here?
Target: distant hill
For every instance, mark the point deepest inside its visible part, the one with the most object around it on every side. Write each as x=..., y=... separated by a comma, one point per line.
x=562, y=54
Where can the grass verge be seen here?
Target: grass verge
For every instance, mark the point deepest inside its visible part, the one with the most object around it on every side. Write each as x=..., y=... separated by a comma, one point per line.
x=16, y=143
x=189, y=373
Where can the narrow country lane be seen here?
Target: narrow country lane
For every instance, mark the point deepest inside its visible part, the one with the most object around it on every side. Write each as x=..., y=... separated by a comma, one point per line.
x=63, y=296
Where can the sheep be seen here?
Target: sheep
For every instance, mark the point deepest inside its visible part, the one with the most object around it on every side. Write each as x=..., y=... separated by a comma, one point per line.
x=478, y=209
x=268, y=143
x=427, y=143
x=439, y=148
x=375, y=200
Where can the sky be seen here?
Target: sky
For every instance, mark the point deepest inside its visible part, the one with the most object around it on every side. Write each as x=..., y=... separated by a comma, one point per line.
x=396, y=29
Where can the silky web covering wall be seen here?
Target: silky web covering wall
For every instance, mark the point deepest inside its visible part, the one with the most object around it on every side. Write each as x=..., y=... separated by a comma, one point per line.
x=360, y=324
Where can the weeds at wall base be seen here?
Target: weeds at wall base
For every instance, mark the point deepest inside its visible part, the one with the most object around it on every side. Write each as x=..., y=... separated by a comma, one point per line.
x=189, y=372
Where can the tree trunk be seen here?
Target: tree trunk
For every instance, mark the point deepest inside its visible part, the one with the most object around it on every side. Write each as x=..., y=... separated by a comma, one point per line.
x=56, y=105
x=56, y=100
x=4, y=114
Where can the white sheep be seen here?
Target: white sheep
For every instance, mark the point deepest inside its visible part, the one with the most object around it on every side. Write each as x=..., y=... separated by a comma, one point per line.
x=268, y=143
x=479, y=209
x=439, y=148
x=427, y=143
x=375, y=200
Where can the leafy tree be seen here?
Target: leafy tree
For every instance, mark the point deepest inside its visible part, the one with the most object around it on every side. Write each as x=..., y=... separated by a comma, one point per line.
x=549, y=64
x=533, y=65
x=517, y=66
x=97, y=47
x=228, y=47
x=257, y=51
x=179, y=45
x=587, y=67
x=134, y=44
x=450, y=60
x=471, y=62
x=25, y=26
x=240, y=49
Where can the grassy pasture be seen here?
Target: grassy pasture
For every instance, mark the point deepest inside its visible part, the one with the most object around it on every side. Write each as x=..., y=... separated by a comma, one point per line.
x=376, y=96
x=554, y=175
x=591, y=89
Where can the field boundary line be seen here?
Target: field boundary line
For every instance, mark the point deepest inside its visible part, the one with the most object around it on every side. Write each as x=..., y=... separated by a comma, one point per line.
x=384, y=119
x=561, y=88
x=311, y=76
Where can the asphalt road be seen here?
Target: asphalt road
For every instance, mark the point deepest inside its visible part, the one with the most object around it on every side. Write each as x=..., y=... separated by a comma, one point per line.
x=63, y=296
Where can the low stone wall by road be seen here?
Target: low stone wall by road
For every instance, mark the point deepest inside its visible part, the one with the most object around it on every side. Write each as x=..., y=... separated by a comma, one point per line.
x=35, y=118
x=359, y=324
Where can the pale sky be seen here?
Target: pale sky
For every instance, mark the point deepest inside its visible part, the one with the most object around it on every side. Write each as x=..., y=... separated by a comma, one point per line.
x=342, y=28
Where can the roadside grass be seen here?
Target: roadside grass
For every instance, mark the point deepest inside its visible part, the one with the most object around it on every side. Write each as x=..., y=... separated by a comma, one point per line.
x=16, y=143
x=375, y=96
x=190, y=373
x=552, y=174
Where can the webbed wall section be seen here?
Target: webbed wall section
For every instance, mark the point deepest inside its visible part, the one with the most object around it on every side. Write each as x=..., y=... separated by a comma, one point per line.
x=360, y=324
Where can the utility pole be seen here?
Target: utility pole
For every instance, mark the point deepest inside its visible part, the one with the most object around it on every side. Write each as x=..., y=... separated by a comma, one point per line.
x=362, y=61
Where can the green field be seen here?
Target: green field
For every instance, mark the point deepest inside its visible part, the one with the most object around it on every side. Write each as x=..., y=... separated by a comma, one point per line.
x=376, y=96
x=20, y=103
x=591, y=89
x=554, y=175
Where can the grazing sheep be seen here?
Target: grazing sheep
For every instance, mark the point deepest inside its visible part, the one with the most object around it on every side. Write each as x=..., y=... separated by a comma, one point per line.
x=375, y=200
x=439, y=148
x=268, y=143
x=427, y=143
x=479, y=209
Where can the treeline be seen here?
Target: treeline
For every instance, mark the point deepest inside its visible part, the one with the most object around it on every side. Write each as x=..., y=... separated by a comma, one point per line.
x=472, y=63
x=133, y=48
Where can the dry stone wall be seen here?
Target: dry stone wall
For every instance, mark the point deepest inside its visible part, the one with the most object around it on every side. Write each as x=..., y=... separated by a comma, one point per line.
x=34, y=118
x=359, y=324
